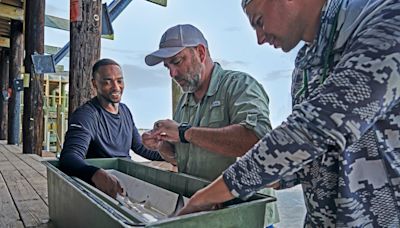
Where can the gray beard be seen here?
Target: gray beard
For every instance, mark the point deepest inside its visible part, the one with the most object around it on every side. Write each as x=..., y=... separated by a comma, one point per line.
x=193, y=85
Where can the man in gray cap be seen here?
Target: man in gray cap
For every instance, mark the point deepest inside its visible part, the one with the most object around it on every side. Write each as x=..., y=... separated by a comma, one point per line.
x=342, y=139
x=220, y=115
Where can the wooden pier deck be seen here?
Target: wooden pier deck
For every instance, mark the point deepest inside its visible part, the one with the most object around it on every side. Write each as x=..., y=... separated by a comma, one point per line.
x=23, y=189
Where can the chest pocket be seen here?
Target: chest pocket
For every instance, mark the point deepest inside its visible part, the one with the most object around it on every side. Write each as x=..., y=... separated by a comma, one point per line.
x=215, y=116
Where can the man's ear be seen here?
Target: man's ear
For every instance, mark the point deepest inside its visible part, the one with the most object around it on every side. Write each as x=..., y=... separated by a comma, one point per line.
x=202, y=52
x=94, y=83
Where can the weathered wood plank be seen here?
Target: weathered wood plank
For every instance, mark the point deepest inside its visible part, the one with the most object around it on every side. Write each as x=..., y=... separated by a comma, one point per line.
x=34, y=162
x=8, y=212
x=2, y=158
x=13, y=2
x=23, y=163
x=38, y=182
x=6, y=166
x=27, y=187
x=31, y=207
x=12, y=12
x=34, y=213
x=4, y=42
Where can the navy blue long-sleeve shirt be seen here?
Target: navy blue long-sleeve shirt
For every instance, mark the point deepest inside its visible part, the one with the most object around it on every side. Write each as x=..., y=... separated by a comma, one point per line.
x=94, y=132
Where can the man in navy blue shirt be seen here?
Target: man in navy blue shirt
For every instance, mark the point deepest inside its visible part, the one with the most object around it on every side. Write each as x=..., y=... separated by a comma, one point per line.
x=102, y=128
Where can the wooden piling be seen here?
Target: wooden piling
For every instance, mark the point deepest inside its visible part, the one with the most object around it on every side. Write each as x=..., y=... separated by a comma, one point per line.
x=32, y=131
x=4, y=72
x=85, y=34
x=14, y=102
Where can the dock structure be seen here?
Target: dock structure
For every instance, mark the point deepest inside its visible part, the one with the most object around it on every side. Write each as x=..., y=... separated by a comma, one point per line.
x=23, y=188
x=31, y=101
x=23, y=87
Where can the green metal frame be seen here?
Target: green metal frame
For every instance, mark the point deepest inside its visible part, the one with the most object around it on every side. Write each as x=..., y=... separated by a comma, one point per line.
x=71, y=203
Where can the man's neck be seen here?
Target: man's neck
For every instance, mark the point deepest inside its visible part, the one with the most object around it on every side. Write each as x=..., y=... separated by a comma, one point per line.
x=201, y=92
x=108, y=106
x=314, y=19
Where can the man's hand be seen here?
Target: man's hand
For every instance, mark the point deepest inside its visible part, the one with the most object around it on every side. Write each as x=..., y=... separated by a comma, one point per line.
x=107, y=183
x=151, y=141
x=276, y=185
x=166, y=130
x=155, y=142
x=196, y=204
x=208, y=198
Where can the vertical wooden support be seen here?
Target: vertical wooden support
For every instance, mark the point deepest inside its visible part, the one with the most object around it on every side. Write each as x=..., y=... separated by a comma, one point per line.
x=33, y=96
x=4, y=72
x=85, y=31
x=14, y=103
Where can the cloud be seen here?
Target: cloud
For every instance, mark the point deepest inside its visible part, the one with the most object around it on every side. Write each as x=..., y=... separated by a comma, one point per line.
x=120, y=50
x=228, y=64
x=233, y=29
x=277, y=74
x=137, y=77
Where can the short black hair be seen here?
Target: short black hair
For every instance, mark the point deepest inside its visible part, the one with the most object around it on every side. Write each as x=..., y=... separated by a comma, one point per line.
x=102, y=62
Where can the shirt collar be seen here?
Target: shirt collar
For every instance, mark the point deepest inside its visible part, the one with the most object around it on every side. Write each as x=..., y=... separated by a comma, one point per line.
x=216, y=77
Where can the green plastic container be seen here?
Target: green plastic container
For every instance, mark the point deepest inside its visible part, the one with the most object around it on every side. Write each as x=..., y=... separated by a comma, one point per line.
x=73, y=204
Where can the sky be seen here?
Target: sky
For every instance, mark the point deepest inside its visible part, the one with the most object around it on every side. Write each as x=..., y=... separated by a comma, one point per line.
x=231, y=40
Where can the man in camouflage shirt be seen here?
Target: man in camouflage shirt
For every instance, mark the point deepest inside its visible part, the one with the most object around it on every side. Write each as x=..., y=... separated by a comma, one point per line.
x=342, y=140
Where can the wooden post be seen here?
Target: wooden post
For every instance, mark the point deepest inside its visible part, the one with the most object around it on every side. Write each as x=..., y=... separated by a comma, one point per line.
x=33, y=96
x=4, y=68
x=85, y=31
x=14, y=103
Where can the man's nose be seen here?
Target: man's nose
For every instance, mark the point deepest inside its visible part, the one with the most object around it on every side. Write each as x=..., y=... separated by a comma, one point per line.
x=115, y=84
x=261, y=38
x=173, y=72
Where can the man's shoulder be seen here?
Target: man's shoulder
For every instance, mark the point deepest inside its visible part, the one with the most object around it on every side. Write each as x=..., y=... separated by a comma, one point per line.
x=238, y=79
x=124, y=108
x=89, y=107
x=234, y=75
x=87, y=111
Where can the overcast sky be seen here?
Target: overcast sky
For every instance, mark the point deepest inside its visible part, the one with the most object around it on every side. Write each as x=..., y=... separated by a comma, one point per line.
x=232, y=43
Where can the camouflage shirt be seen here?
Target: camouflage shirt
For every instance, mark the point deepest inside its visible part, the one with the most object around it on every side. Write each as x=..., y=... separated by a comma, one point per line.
x=342, y=140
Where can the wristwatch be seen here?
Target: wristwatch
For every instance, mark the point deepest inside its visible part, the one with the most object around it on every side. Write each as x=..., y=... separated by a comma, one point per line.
x=182, y=128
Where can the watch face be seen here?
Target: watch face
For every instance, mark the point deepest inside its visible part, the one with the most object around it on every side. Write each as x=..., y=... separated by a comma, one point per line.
x=182, y=128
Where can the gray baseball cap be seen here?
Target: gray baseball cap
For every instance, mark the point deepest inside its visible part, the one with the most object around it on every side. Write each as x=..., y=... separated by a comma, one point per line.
x=174, y=40
x=245, y=3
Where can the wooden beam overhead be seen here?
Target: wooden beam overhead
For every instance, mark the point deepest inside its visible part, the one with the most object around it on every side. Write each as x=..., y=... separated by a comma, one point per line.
x=11, y=12
x=18, y=3
x=4, y=42
x=56, y=22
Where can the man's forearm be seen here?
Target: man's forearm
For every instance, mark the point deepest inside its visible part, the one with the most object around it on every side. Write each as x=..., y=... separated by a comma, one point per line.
x=234, y=140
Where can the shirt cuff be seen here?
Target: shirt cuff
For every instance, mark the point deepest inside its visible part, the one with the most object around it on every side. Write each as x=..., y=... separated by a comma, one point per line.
x=235, y=188
x=87, y=172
